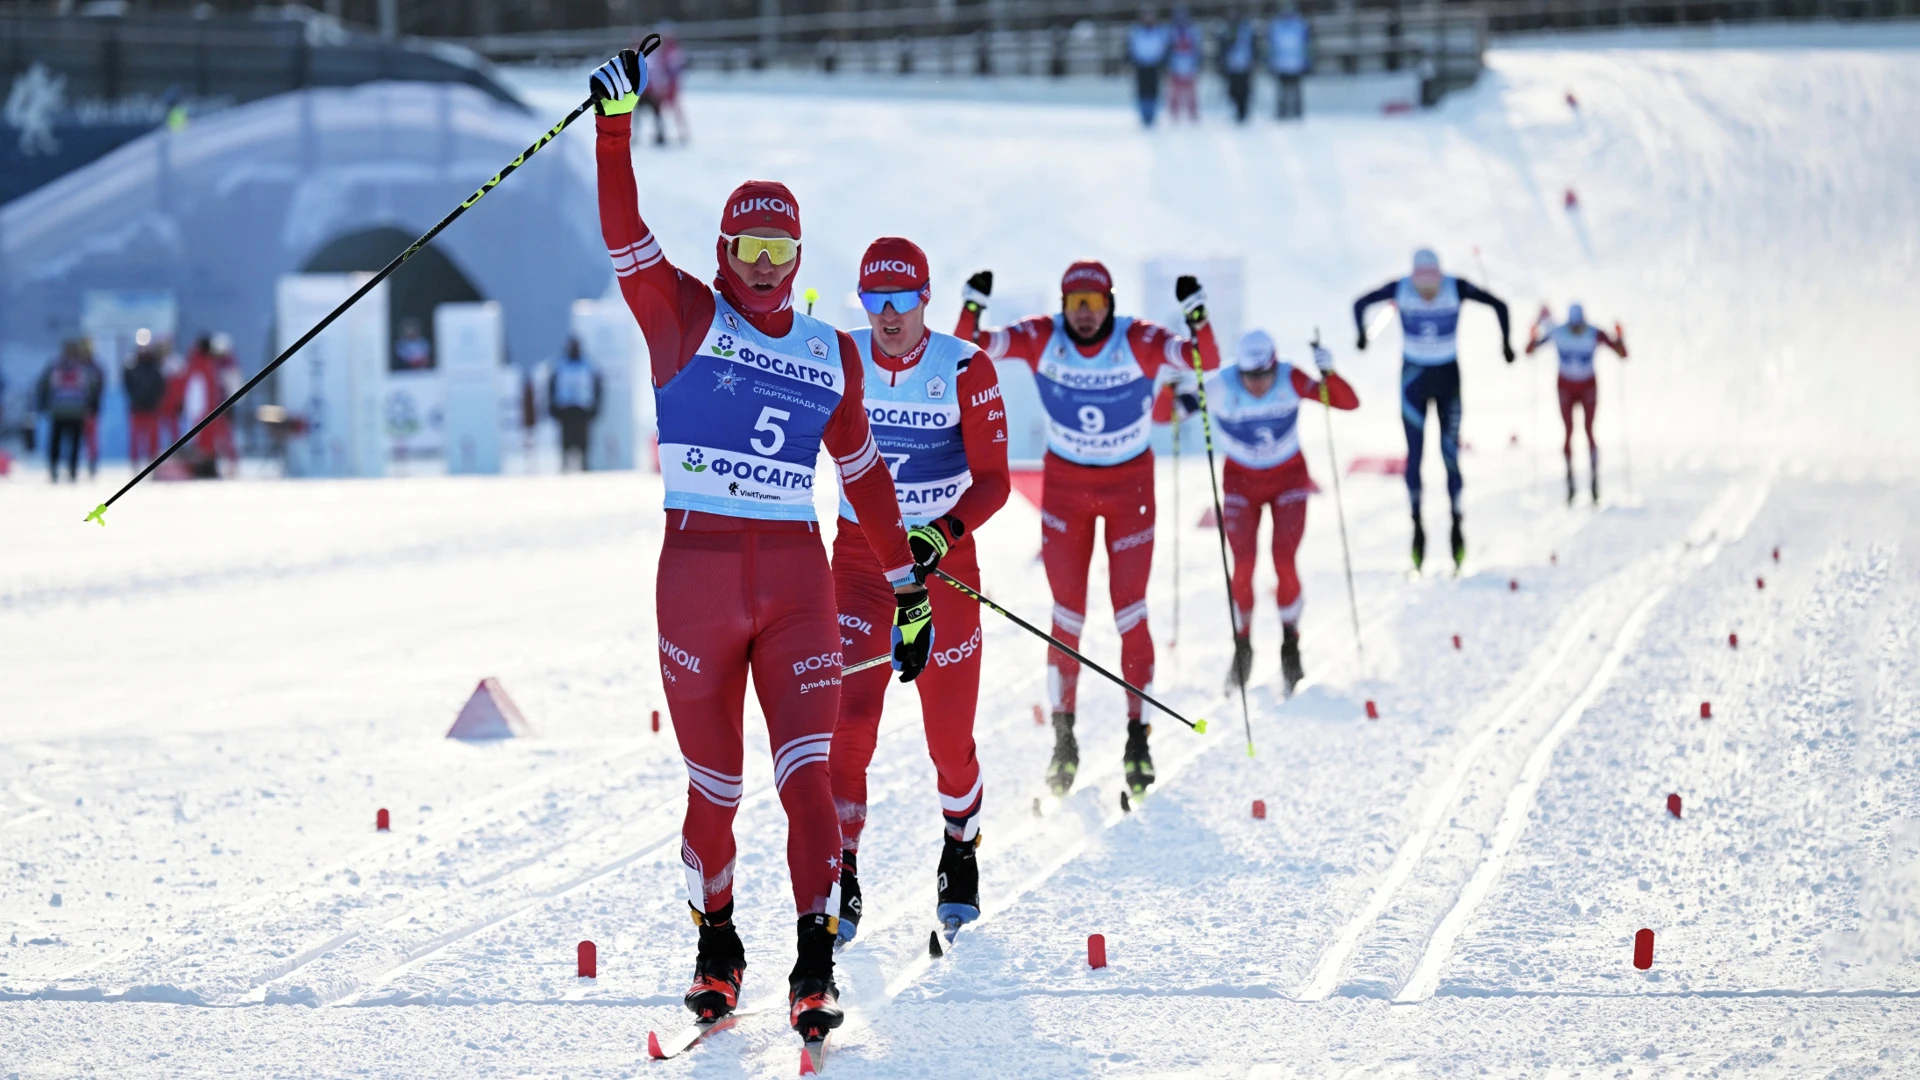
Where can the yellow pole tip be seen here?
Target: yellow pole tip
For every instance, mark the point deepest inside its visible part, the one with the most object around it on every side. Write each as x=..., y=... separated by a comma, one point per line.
x=1199, y=727
x=99, y=514
x=1249, y=749
x=811, y=294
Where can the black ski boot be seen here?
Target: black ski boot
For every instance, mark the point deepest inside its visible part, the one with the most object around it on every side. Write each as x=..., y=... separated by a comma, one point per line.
x=1242, y=662
x=813, y=1000
x=719, y=965
x=959, y=883
x=1572, y=488
x=1290, y=670
x=1594, y=468
x=1138, y=761
x=1419, y=543
x=1066, y=754
x=1459, y=543
x=849, y=897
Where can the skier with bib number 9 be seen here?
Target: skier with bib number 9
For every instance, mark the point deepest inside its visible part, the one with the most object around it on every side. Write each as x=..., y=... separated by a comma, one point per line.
x=1097, y=374
x=934, y=404
x=747, y=390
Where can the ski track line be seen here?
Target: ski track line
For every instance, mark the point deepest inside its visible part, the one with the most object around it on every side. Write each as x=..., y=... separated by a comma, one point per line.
x=1514, y=816
x=1325, y=978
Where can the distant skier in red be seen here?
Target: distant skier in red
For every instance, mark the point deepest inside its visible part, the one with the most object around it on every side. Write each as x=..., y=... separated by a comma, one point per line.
x=1097, y=375
x=937, y=416
x=747, y=391
x=1577, y=343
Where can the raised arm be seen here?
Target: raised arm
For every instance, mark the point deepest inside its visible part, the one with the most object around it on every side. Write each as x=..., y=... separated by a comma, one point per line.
x=863, y=475
x=1360, y=306
x=1470, y=291
x=1025, y=340
x=1340, y=393
x=673, y=308
x=1618, y=342
x=983, y=433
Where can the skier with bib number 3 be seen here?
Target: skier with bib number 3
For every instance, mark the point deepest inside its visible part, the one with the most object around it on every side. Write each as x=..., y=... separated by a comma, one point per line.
x=1429, y=304
x=1097, y=374
x=747, y=391
x=933, y=402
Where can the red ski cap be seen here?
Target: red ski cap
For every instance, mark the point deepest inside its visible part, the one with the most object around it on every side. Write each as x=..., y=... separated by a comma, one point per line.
x=761, y=203
x=893, y=264
x=1087, y=275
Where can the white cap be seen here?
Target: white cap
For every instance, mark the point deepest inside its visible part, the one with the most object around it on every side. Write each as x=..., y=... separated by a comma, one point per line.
x=1425, y=259
x=1576, y=316
x=222, y=344
x=1255, y=351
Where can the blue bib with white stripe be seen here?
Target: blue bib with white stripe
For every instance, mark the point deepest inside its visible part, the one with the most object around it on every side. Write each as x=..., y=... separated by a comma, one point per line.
x=1258, y=432
x=1427, y=327
x=1576, y=350
x=1099, y=407
x=740, y=425
x=916, y=426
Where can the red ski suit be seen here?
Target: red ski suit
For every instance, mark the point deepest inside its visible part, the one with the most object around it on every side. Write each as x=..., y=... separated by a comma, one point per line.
x=1283, y=490
x=1074, y=496
x=950, y=686
x=736, y=595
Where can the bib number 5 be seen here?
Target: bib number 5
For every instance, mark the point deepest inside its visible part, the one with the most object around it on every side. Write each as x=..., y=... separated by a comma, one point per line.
x=768, y=423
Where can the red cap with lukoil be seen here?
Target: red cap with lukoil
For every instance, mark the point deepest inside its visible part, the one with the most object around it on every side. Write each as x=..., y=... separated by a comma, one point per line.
x=893, y=264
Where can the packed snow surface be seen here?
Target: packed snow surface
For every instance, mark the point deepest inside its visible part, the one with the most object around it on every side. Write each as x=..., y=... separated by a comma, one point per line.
x=204, y=704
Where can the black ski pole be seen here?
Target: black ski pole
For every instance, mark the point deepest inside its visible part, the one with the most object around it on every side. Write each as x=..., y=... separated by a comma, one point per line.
x=99, y=513
x=1199, y=726
x=1340, y=507
x=1220, y=526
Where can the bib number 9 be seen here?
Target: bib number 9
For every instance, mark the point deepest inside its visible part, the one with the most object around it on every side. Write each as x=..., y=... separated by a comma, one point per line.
x=767, y=423
x=1092, y=420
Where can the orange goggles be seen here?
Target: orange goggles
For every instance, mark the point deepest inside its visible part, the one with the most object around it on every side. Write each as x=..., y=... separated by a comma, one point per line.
x=779, y=250
x=1084, y=298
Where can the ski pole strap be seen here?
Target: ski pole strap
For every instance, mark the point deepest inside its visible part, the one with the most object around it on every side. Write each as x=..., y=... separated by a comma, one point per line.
x=1199, y=726
x=98, y=514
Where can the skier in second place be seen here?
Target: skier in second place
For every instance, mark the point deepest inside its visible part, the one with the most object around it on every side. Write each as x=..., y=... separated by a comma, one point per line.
x=1577, y=342
x=1256, y=409
x=1429, y=304
x=747, y=391
x=934, y=404
x=1097, y=376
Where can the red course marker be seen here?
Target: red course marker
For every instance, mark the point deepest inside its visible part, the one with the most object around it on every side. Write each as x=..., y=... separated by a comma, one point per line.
x=1554, y=558
x=1643, y=949
x=1456, y=641
x=1733, y=641
x=1673, y=804
x=1513, y=584
x=1039, y=718
x=1706, y=710
x=1776, y=554
x=1260, y=809
x=1573, y=203
x=589, y=961
x=1759, y=583
x=381, y=821
x=656, y=721
x=1373, y=712
x=1096, y=950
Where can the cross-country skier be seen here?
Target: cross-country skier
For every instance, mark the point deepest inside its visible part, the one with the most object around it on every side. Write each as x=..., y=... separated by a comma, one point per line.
x=1097, y=375
x=1577, y=342
x=934, y=405
x=747, y=391
x=1256, y=407
x=1429, y=304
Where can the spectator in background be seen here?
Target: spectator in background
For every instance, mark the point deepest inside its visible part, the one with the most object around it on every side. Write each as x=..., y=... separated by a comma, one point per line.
x=573, y=398
x=412, y=351
x=1287, y=52
x=92, y=426
x=662, y=94
x=198, y=390
x=146, y=389
x=174, y=367
x=1147, y=45
x=1183, y=66
x=1236, y=59
x=68, y=392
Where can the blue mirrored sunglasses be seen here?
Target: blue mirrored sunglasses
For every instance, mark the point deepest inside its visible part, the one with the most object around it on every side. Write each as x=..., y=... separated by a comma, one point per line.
x=903, y=302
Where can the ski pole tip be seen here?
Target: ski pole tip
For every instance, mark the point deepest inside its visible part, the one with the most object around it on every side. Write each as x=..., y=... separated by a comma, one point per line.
x=99, y=514
x=1200, y=726
x=1249, y=749
x=812, y=294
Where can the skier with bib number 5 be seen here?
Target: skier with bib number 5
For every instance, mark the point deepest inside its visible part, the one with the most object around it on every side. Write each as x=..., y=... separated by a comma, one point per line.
x=1097, y=374
x=747, y=390
x=933, y=402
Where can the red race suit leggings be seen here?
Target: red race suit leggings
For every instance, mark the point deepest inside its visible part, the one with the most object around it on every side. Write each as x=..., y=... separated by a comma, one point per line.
x=736, y=595
x=949, y=687
x=1282, y=489
x=1586, y=394
x=1072, y=498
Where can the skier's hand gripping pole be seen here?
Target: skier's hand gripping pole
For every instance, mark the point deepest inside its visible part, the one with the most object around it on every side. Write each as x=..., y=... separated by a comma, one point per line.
x=1199, y=726
x=652, y=42
x=1193, y=302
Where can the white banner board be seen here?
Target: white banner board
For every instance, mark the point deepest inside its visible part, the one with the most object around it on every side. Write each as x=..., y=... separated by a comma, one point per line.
x=335, y=386
x=610, y=338
x=471, y=342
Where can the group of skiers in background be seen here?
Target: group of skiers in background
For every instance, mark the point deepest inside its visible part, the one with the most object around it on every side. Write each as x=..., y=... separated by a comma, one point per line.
x=748, y=391
x=166, y=394
x=1173, y=52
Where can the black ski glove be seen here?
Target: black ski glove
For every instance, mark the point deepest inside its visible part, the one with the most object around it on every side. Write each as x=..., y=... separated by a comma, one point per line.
x=912, y=632
x=1193, y=300
x=1362, y=343
x=930, y=542
x=980, y=286
x=1506, y=349
x=615, y=86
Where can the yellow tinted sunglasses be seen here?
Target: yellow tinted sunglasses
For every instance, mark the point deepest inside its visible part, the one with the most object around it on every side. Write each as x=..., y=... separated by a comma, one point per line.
x=1084, y=298
x=779, y=250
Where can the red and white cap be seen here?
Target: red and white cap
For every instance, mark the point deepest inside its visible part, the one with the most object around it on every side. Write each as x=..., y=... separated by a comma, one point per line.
x=761, y=203
x=1087, y=275
x=1256, y=352
x=893, y=264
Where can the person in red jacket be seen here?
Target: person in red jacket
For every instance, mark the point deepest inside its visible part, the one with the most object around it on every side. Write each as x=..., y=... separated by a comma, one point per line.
x=198, y=390
x=747, y=391
x=1097, y=375
x=934, y=403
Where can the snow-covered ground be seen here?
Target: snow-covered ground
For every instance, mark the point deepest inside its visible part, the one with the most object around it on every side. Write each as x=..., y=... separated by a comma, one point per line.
x=202, y=706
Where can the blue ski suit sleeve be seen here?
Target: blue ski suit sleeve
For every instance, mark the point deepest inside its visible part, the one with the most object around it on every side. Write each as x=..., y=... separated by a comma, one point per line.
x=1379, y=295
x=1470, y=291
